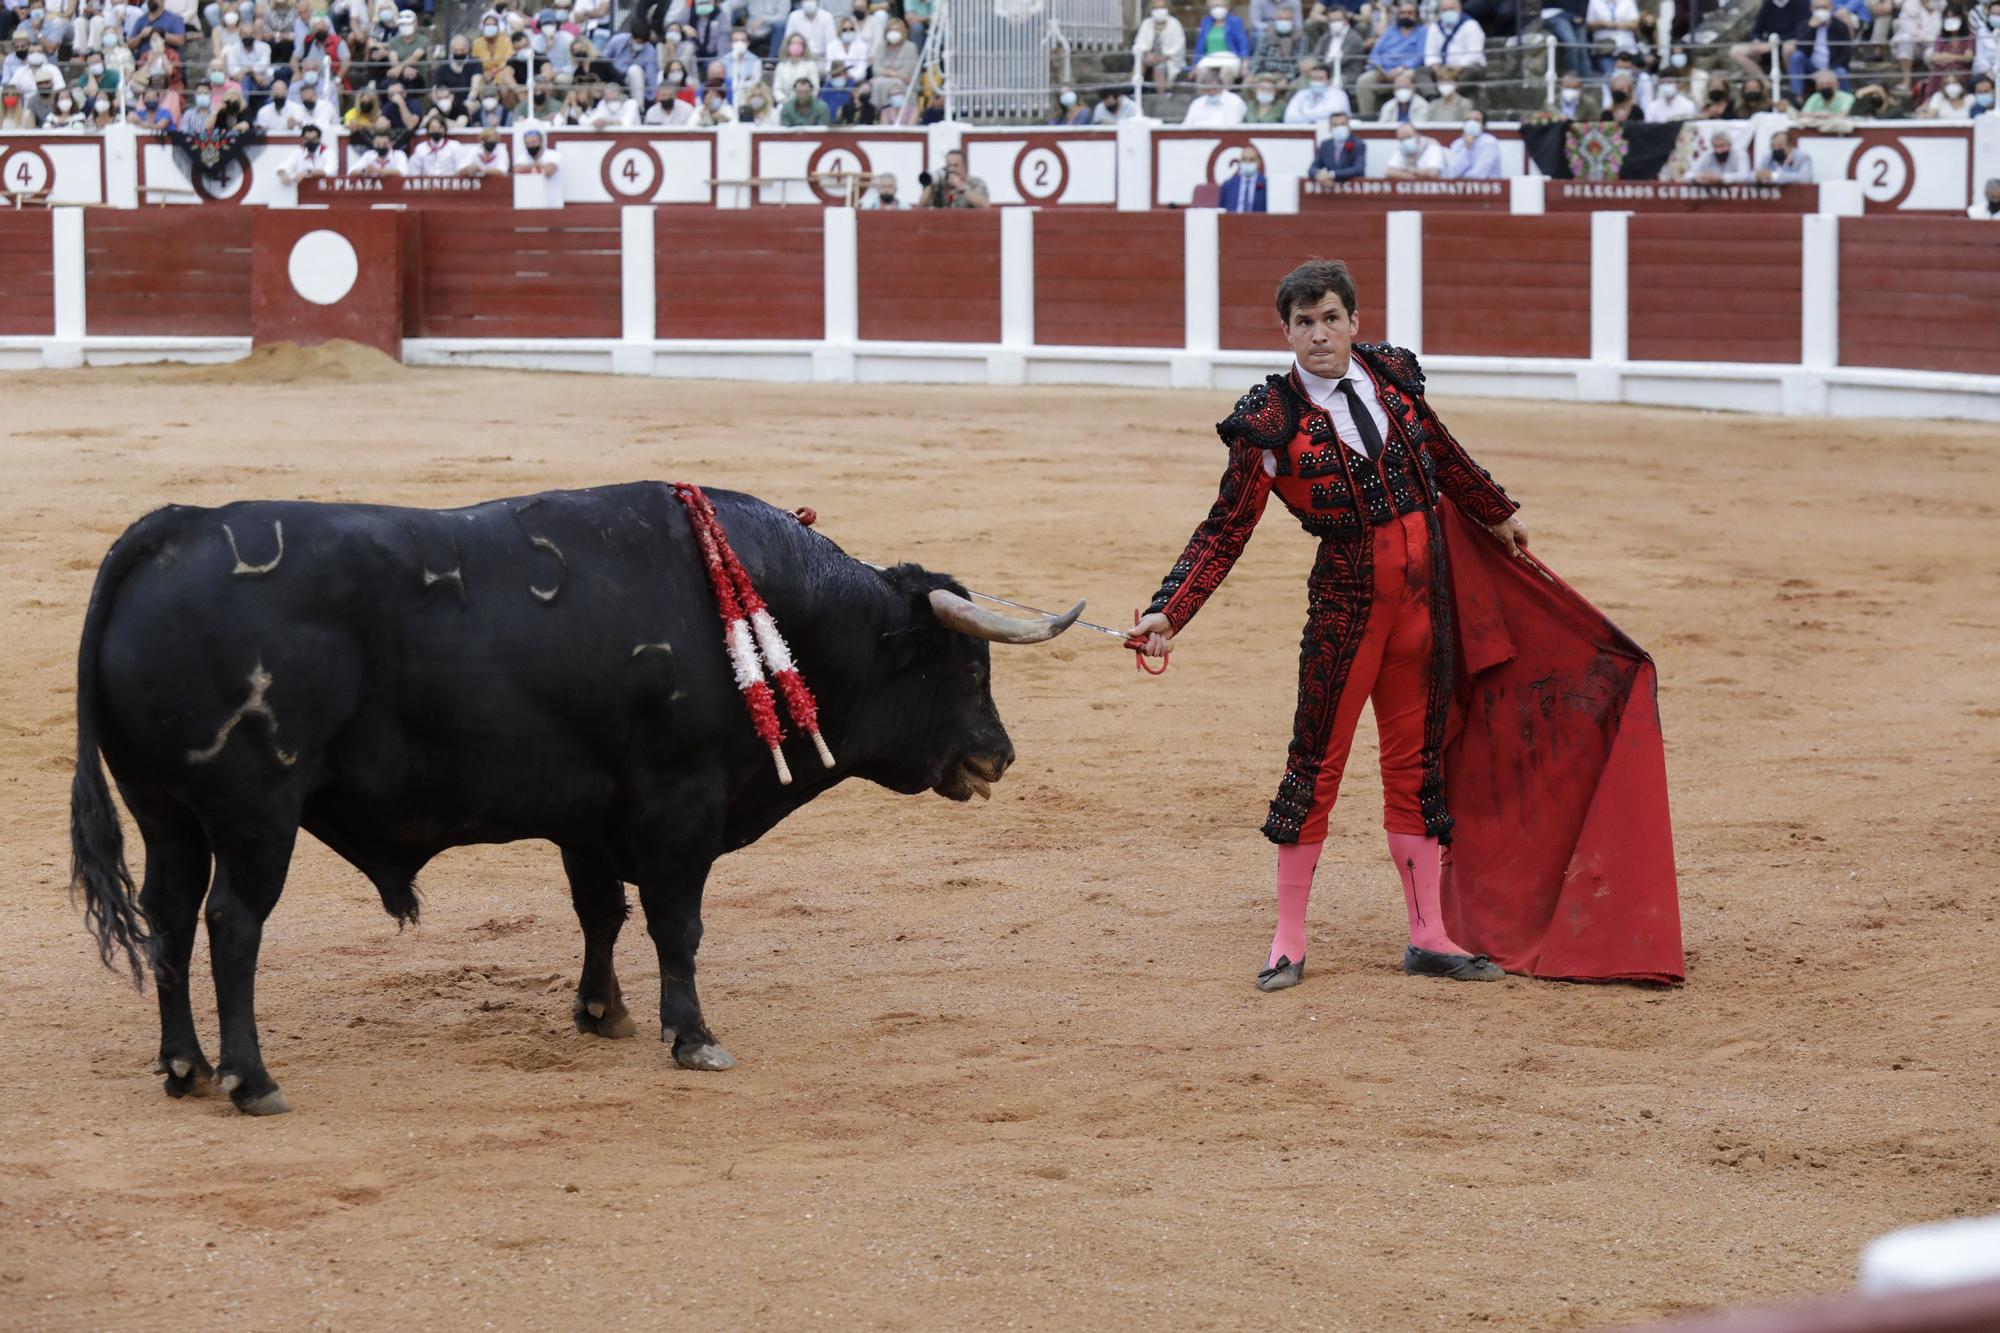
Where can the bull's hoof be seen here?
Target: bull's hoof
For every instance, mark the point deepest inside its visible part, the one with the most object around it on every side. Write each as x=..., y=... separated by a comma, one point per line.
x=186, y=1076
x=605, y=1020
x=706, y=1055
x=271, y=1103
x=254, y=1094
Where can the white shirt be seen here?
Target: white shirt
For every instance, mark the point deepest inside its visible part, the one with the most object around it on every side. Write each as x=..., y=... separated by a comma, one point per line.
x=1326, y=393
x=547, y=159
x=392, y=163
x=440, y=159
x=1660, y=110
x=489, y=164
x=1312, y=104
x=275, y=119
x=1604, y=12
x=1227, y=109
x=819, y=30
x=1465, y=48
x=308, y=162
x=1430, y=158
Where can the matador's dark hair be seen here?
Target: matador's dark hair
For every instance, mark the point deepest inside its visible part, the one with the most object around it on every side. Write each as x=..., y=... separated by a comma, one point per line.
x=1311, y=282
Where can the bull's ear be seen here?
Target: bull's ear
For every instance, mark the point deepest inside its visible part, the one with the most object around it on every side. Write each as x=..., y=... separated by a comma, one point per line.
x=901, y=644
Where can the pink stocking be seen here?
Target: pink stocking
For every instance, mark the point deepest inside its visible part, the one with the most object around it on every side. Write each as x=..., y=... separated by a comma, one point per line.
x=1295, y=880
x=1417, y=862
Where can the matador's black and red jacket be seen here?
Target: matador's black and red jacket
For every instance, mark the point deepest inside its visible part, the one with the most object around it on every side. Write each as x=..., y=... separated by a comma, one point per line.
x=1330, y=489
x=1339, y=497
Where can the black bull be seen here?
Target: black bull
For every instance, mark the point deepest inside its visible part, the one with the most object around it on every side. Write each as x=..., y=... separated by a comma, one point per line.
x=400, y=681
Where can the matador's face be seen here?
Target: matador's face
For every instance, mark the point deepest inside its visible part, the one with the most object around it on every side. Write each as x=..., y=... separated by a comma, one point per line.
x=1322, y=333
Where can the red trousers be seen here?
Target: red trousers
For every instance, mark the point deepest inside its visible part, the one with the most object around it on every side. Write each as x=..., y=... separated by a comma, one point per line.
x=1392, y=667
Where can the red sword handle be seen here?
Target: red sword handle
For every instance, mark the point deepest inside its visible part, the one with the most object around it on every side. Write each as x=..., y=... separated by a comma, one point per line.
x=1139, y=654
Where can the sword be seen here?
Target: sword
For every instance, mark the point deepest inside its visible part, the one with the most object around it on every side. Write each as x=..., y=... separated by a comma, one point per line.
x=1118, y=634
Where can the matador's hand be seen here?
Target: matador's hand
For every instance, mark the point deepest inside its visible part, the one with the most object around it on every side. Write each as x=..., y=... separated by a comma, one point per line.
x=1152, y=635
x=1512, y=535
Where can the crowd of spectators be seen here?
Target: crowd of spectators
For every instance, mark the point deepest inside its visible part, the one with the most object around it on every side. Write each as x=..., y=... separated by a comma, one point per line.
x=371, y=69
x=1401, y=61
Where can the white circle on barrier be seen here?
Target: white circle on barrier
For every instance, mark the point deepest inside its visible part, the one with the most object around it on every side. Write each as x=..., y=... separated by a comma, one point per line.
x=633, y=172
x=1883, y=172
x=26, y=172
x=1042, y=173
x=323, y=266
x=1223, y=165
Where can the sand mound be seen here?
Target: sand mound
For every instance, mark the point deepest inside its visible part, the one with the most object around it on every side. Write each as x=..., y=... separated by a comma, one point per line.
x=340, y=360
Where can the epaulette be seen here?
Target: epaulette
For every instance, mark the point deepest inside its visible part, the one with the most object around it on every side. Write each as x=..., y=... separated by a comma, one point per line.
x=1266, y=417
x=1399, y=364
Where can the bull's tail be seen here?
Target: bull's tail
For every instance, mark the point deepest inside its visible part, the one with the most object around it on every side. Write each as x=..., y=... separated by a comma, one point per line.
x=96, y=842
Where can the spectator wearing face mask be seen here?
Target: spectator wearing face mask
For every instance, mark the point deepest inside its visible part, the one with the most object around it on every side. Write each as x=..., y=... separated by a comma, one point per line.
x=153, y=112
x=1669, y=103
x=1987, y=206
x=1623, y=108
x=1755, y=99
x=279, y=114
x=1069, y=111
x=636, y=63
x=1720, y=102
x=892, y=63
x=1263, y=105
x=1454, y=47
x=14, y=112
x=1221, y=45
x=714, y=109
x=156, y=20
x=758, y=107
x=493, y=47
x=804, y=108
x=1399, y=51
x=96, y=77
x=201, y=115
x=1475, y=154
x=1827, y=44
x=668, y=109
x=741, y=69
x=849, y=52
x=1246, y=189
x=1320, y=98
x=795, y=63
x=1614, y=27
x=1829, y=101
x=1450, y=106
x=434, y=153
x=487, y=158
x=1982, y=95
x=1159, y=48
x=1337, y=40
x=1281, y=47
x=1951, y=58
x=812, y=22
x=65, y=112
x=1416, y=157
x=884, y=194
x=1340, y=156
x=1113, y=105
x=1985, y=23
x=1950, y=102
x=1214, y=105
x=539, y=159
x=313, y=157
x=617, y=111
x=380, y=158
x=1404, y=105
x=1783, y=163
x=1723, y=162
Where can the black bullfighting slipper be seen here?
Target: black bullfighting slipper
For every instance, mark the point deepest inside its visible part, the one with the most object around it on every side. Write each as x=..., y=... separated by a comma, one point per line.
x=1457, y=966
x=1282, y=974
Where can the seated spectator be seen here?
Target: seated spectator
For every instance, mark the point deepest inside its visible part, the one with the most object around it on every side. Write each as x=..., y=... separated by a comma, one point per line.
x=675, y=80
x=488, y=159
x=860, y=108
x=400, y=112
x=1246, y=190
x=1784, y=164
x=1398, y=52
x=797, y=63
x=155, y=19
x=491, y=113
x=1564, y=20
x=538, y=159
x=96, y=77
x=1320, y=98
x=1669, y=102
x=1454, y=46
x=1919, y=23
x=917, y=16
x=758, y=107
x=458, y=71
x=1986, y=37
x=1951, y=55
x=635, y=62
x=740, y=68
x=1721, y=101
x=953, y=187
x=1574, y=102
x=884, y=194
x=1264, y=106
x=814, y=24
x=1112, y=106
x=893, y=64
x=1215, y=105
x=319, y=112
x=65, y=112
x=1951, y=102
x=668, y=109
x=1068, y=111
x=1340, y=36
x=380, y=158
x=1988, y=205
x=1340, y=156
x=1780, y=21
x=1755, y=99
x=434, y=154
x=198, y=117
x=1722, y=162
x=153, y=112
x=1417, y=158
x=1450, y=106
x=1159, y=48
x=1405, y=106
x=805, y=108
x=1982, y=95
x=849, y=51
x=279, y=114
x=714, y=110
x=14, y=112
x=311, y=158
x=1627, y=63
x=1281, y=47
x=1222, y=45
x=1829, y=100
x=493, y=47
x=1828, y=43
x=763, y=27
x=1624, y=108
x=1614, y=27
x=1475, y=155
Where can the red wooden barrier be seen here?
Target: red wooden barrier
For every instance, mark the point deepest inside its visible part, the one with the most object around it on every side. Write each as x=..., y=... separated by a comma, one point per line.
x=1260, y=248
x=929, y=275
x=1920, y=294
x=28, y=297
x=749, y=273
x=1109, y=279
x=167, y=272
x=519, y=274
x=1713, y=288
x=1506, y=286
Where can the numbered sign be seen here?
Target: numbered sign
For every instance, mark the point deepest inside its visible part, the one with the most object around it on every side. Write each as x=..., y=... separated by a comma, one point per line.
x=26, y=171
x=1884, y=173
x=1041, y=173
x=632, y=173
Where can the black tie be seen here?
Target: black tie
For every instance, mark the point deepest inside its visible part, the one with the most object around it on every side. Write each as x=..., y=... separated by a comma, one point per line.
x=1371, y=439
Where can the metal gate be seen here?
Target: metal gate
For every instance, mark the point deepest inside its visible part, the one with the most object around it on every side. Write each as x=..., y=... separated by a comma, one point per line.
x=995, y=55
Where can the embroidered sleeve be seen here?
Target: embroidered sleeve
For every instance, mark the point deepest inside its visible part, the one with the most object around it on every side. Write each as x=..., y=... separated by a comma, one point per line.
x=1470, y=486
x=1219, y=539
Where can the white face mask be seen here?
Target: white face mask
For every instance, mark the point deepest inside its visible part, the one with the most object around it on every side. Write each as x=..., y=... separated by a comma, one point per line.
x=1067, y=99
x=1219, y=13
x=1319, y=87
x=810, y=7
x=1338, y=133
x=1404, y=95
x=490, y=29
x=1447, y=89
x=1571, y=96
x=1951, y=25
x=1160, y=15
x=1954, y=91
x=1410, y=146
x=1213, y=94
x=1667, y=91
x=1247, y=170
x=1473, y=129
x=1265, y=97
x=1337, y=29
x=893, y=38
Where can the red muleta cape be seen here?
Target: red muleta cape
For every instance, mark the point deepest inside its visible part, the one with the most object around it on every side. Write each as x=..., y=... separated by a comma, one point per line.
x=1561, y=862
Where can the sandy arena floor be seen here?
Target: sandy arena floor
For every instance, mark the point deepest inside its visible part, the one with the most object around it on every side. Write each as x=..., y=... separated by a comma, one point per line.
x=1003, y=1065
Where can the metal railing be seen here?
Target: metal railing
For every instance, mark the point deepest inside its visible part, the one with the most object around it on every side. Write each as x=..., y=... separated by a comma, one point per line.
x=995, y=57
x=1092, y=25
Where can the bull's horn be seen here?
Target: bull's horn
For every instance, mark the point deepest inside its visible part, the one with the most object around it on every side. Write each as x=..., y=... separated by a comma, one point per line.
x=954, y=612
